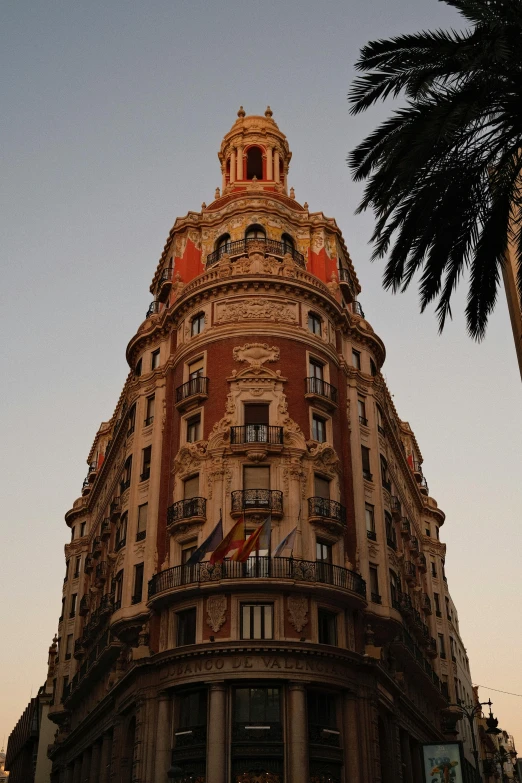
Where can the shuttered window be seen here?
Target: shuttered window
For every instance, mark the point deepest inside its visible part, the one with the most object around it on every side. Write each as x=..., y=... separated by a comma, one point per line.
x=191, y=487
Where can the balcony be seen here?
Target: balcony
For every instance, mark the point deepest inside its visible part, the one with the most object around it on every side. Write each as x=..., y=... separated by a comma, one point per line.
x=89, y=563
x=324, y=510
x=367, y=475
x=426, y=604
x=241, y=248
x=84, y=605
x=396, y=508
x=386, y=483
x=101, y=573
x=432, y=647
x=86, y=486
x=422, y=562
x=145, y=476
x=414, y=544
x=356, y=308
x=415, y=656
x=93, y=470
x=405, y=528
x=192, y=509
x=376, y=598
x=79, y=648
x=115, y=508
x=256, y=434
x=102, y=656
x=424, y=486
x=124, y=485
x=371, y=535
x=96, y=546
x=277, y=568
x=164, y=285
x=192, y=393
x=257, y=501
x=410, y=572
x=154, y=309
x=105, y=529
x=320, y=392
x=405, y=604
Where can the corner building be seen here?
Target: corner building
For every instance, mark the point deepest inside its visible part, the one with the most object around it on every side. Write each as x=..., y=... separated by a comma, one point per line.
x=254, y=389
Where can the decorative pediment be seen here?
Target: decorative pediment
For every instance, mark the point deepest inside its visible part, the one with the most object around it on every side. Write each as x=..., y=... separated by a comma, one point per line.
x=256, y=355
x=189, y=458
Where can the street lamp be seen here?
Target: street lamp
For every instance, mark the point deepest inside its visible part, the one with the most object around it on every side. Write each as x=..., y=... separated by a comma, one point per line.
x=471, y=712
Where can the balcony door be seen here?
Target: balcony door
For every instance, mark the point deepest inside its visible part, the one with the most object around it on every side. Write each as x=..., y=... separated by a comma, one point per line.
x=257, y=418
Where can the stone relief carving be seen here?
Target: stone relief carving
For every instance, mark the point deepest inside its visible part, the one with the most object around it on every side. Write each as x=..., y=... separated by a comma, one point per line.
x=189, y=458
x=256, y=354
x=256, y=310
x=325, y=458
x=297, y=611
x=216, y=611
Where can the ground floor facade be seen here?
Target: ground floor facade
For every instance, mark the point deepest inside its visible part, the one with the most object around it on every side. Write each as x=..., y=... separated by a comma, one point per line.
x=248, y=715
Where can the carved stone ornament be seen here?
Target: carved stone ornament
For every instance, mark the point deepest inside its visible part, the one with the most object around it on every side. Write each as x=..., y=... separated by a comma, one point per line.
x=216, y=611
x=255, y=310
x=297, y=611
x=256, y=354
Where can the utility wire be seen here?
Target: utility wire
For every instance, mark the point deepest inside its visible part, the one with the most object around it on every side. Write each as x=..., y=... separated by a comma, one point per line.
x=498, y=691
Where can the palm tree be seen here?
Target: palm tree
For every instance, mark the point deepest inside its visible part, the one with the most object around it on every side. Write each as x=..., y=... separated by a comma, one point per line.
x=443, y=172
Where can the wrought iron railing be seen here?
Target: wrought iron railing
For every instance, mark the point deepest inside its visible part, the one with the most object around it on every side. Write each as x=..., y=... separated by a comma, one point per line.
x=357, y=309
x=344, y=275
x=115, y=507
x=321, y=388
x=240, y=247
x=195, y=386
x=101, y=571
x=258, y=568
x=410, y=570
x=185, y=509
x=256, y=433
x=267, y=499
x=329, y=509
x=153, y=309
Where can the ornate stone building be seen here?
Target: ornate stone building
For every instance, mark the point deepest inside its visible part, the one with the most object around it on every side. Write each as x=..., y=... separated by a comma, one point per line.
x=255, y=389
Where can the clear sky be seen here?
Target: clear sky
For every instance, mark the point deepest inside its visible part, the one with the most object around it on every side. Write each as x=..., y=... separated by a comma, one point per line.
x=112, y=115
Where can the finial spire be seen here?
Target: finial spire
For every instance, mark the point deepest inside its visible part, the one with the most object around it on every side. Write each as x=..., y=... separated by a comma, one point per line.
x=241, y=112
x=268, y=112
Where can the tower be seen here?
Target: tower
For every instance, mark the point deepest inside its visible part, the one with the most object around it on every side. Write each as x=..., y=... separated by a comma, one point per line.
x=254, y=397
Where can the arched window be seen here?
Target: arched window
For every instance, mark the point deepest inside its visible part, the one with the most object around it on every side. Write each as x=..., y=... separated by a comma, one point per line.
x=223, y=245
x=255, y=232
x=254, y=163
x=197, y=324
x=288, y=244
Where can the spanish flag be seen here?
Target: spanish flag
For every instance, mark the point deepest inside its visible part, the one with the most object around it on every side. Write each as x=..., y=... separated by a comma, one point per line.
x=259, y=539
x=233, y=540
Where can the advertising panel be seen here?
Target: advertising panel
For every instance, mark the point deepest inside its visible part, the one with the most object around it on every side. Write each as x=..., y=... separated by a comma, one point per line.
x=443, y=763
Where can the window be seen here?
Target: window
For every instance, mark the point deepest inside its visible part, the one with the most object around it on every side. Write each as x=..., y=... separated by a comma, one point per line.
x=433, y=569
x=428, y=532
x=256, y=477
x=137, y=369
x=72, y=611
x=257, y=705
x=138, y=583
x=437, y=532
x=452, y=649
x=192, y=709
x=118, y=590
x=385, y=478
x=63, y=610
x=223, y=245
x=323, y=551
x=191, y=487
x=315, y=323
x=373, y=368
x=374, y=584
x=327, y=627
x=318, y=428
x=187, y=551
x=149, y=411
x=436, y=598
x=380, y=420
x=127, y=473
x=77, y=567
x=255, y=232
x=322, y=710
x=121, y=532
x=395, y=589
x=391, y=533
x=197, y=324
x=370, y=521
x=195, y=369
x=365, y=454
x=145, y=463
x=254, y=162
x=73, y=530
x=154, y=359
x=257, y=621
x=448, y=609
x=356, y=359
x=65, y=683
x=256, y=422
x=82, y=529
x=442, y=648
x=361, y=409
x=194, y=428
x=66, y=571
x=288, y=244
x=131, y=420
x=321, y=487
x=443, y=571
x=316, y=370
x=69, y=646
x=142, y=522
x=186, y=627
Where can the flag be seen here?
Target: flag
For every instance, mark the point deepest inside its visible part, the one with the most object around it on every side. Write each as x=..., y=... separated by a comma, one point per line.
x=208, y=545
x=286, y=543
x=233, y=540
x=259, y=539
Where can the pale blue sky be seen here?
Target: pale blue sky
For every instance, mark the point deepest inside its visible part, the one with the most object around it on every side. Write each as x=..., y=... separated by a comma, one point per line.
x=112, y=115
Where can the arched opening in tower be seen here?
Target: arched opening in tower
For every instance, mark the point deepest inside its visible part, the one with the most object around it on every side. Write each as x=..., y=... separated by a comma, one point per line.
x=254, y=163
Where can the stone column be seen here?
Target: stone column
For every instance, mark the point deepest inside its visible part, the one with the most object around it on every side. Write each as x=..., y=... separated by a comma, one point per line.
x=239, y=162
x=86, y=766
x=232, y=169
x=269, y=160
x=351, y=739
x=276, y=165
x=77, y=770
x=216, y=748
x=407, y=768
x=95, y=763
x=105, y=757
x=223, y=178
x=298, y=734
x=163, y=737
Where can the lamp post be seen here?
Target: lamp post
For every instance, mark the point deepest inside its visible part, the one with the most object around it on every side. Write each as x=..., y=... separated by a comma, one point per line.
x=471, y=712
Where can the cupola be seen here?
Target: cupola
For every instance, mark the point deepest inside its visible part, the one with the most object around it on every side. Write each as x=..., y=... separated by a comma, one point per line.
x=254, y=153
